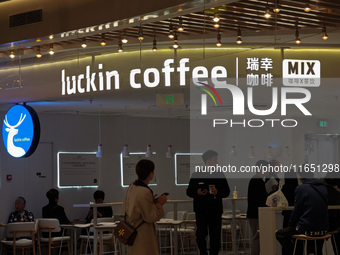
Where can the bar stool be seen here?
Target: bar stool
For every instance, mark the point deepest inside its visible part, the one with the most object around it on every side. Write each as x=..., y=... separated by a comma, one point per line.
x=335, y=232
x=306, y=238
x=171, y=226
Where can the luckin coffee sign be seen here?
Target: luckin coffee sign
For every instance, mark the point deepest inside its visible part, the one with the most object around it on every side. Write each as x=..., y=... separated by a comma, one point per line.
x=21, y=131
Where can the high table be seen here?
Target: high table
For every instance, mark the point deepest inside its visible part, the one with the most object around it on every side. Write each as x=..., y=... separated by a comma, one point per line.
x=233, y=208
x=267, y=226
x=95, y=216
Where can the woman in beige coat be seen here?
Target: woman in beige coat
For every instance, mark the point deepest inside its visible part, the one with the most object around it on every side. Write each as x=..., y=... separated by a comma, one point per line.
x=143, y=210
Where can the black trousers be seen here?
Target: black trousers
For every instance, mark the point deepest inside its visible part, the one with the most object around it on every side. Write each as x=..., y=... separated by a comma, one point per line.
x=208, y=223
x=284, y=236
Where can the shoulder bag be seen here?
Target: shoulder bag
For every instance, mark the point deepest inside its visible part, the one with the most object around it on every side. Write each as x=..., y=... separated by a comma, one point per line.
x=123, y=231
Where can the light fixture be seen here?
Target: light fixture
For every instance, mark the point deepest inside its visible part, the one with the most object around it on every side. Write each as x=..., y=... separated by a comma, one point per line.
x=124, y=38
x=269, y=154
x=218, y=43
x=103, y=41
x=287, y=152
x=233, y=152
x=154, y=44
x=251, y=152
x=267, y=14
x=148, y=153
x=307, y=7
x=126, y=152
x=276, y=8
x=51, y=37
x=297, y=36
x=99, y=152
x=169, y=153
x=38, y=55
x=120, y=46
x=216, y=17
x=216, y=25
x=83, y=44
x=171, y=31
x=180, y=25
x=239, y=37
x=51, y=52
x=140, y=34
x=175, y=45
x=324, y=33
x=12, y=55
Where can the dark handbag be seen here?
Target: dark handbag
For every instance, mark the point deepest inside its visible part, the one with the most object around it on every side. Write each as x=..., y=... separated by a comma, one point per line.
x=123, y=231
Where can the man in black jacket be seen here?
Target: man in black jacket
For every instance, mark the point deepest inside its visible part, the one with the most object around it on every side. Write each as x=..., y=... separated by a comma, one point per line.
x=207, y=190
x=310, y=213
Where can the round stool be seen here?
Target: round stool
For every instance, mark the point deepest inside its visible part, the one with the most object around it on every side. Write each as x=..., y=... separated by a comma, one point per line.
x=309, y=238
x=333, y=237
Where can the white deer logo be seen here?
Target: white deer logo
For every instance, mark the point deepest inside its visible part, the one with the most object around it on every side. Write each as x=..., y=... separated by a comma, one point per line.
x=12, y=131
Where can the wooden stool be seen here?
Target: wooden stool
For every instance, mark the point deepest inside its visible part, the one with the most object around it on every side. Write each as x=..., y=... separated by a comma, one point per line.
x=310, y=238
x=335, y=232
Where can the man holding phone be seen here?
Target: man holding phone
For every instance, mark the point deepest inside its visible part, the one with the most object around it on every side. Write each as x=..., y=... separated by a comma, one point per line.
x=207, y=191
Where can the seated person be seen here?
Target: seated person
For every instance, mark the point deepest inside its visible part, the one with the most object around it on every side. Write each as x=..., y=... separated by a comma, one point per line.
x=53, y=210
x=20, y=214
x=309, y=216
x=333, y=214
x=106, y=211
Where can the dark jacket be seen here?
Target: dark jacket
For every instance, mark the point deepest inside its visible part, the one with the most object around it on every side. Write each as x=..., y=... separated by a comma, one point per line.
x=257, y=196
x=104, y=211
x=53, y=210
x=333, y=214
x=208, y=202
x=310, y=213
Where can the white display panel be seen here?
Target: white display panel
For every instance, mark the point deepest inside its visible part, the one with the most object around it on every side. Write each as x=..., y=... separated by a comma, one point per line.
x=78, y=169
x=183, y=161
x=128, y=168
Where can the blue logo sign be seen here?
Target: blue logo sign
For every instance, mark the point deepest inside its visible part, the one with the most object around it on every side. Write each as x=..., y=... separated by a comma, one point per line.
x=21, y=131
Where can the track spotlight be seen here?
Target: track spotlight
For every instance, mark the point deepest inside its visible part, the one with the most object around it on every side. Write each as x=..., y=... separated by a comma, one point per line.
x=38, y=55
x=239, y=37
x=84, y=45
x=51, y=52
x=218, y=43
x=267, y=14
x=171, y=31
x=276, y=7
x=124, y=38
x=175, y=45
x=216, y=17
x=140, y=34
x=307, y=7
x=216, y=25
x=324, y=33
x=154, y=44
x=180, y=25
x=120, y=46
x=297, y=36
x=12, y=55
x=103, y=41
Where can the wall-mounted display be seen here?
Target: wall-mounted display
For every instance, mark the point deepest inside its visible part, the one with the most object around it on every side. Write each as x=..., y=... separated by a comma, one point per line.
x=78, y=169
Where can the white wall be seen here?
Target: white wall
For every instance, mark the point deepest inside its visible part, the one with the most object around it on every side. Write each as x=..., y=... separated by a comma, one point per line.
x=80, y=133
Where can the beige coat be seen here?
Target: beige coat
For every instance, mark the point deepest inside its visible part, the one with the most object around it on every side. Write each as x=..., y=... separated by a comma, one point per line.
x=140, y=207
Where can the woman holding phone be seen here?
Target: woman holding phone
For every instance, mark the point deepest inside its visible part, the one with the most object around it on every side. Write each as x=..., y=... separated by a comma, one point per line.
x=142, y=210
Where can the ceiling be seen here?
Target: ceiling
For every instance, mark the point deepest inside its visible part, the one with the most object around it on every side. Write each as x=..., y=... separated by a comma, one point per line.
x=197, y=19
